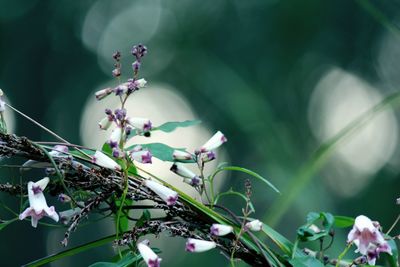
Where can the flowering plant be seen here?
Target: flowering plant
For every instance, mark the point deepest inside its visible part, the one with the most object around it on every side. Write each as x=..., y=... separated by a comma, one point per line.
x=111, y=180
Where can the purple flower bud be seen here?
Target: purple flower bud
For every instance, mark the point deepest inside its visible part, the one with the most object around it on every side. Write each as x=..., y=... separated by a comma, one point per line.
x=139, y=51
x=116, y=55
x=215, y=141
x=117, y=153
x=63, y=198
x=108, y=111
x=208, y=156
x=120, y=114
x=136, y=66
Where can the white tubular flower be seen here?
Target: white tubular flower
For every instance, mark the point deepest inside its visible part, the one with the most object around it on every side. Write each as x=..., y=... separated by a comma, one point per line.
x=142, y=156
x=104, y=161
x=197, y=245
x=103, y=93
x=214, y=142
x=220, y=229
x=141, y=124
x=169, y=196
x=149, y=257
x=255, y=225
x=140, y=83
x=105, y=123
x=181, y=155
x=37, y=203
x=181, y=170
x=368, y=238
x=115, y=137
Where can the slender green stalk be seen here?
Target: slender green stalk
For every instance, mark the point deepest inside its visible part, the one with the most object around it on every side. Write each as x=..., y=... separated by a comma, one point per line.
x=344, y=252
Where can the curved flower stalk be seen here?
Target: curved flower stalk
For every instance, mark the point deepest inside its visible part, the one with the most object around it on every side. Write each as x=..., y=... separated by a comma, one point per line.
x=197, y=245
x=368, y=238
x=149, y=257
x=37, y=203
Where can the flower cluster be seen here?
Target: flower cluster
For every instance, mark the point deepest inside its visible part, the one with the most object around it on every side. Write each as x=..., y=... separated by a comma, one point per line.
x=202, y=155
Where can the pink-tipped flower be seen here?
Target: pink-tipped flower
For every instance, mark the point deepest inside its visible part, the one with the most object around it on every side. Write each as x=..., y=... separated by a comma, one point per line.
x=197, y=245
x=140, y=124
x=142, y=156
x=368, y=238
x=37, y=203
x=105, y=123
x=104, y=161
x=103, y=93
x=169, y=196
x=148, y=255
x=208, y=156
x=115, y=137
x=255, y=225
x=220, y=229
x=181, y=155
x=214, y=142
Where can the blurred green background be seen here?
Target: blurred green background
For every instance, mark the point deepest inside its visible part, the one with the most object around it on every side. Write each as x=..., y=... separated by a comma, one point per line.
x=277, y=77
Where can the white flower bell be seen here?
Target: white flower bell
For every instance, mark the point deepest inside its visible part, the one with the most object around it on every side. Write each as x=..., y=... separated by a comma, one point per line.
x=37, y=203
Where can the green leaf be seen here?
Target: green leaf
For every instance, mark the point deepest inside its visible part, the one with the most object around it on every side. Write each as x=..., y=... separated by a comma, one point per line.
x=394, y=258
x=160, y=151
x=146, y=216
x=70, y=252
x=305, y=261
x=127, y=260
x=343, y=221
x=172, y=125
x=321, y=156
x=249, y=172
x=4, y=224
x=305, y=233
x=3, y=125
x=284, y=244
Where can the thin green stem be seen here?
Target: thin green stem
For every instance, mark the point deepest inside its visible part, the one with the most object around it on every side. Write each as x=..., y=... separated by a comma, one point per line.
x=344, y=252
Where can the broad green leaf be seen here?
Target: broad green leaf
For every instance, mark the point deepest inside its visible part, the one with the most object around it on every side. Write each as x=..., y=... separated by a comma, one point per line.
x=321, y=156
x=172, y=125
x=343, y=221
x=305, y=261
x=70, y=252
x=284, y=244
x=160, y=151
x=249, y=172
